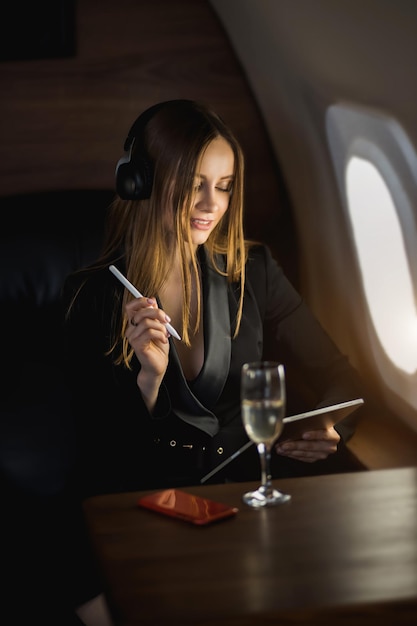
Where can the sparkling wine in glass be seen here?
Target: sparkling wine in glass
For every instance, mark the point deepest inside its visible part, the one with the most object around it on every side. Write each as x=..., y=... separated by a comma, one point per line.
x=263, y=400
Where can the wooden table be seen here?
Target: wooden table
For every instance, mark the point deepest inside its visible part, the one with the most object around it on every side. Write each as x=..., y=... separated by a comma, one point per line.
x=343, y=551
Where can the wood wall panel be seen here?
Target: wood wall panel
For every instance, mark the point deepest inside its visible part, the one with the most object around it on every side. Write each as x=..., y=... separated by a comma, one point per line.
x=63, y=121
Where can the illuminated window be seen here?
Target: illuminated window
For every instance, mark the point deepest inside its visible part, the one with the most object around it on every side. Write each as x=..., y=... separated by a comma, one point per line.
x=383, y=262
x=376, y=170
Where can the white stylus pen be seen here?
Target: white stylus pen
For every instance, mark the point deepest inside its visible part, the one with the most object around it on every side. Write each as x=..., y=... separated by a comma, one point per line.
x=137, y=294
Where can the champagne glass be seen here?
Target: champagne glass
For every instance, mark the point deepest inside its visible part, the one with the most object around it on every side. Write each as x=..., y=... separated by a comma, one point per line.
x=263, y=400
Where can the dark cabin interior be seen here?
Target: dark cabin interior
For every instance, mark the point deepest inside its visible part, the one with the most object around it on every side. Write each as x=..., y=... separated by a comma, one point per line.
x=68, y=102
x=62, y=126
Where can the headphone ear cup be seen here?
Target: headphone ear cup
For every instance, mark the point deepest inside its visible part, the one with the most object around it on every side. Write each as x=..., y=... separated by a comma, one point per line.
x=134, y=180
x=134, y=172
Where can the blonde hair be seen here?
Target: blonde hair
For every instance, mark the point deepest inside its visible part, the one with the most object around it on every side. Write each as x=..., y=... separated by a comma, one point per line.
x=175, y=138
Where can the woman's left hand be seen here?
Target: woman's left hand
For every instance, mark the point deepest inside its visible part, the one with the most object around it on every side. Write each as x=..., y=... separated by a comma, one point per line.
x=315, y=445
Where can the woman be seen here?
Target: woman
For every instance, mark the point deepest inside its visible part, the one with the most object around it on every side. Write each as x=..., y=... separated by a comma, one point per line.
x=154, y=411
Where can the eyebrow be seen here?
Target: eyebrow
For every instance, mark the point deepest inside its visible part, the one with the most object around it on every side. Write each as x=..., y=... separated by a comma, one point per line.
x=228, y=177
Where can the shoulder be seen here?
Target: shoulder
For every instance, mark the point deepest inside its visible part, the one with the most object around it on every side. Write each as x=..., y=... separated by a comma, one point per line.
x=266, y=278
x=260, y=261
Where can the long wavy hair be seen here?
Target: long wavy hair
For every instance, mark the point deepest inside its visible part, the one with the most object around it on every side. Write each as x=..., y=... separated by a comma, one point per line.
x=152, y=232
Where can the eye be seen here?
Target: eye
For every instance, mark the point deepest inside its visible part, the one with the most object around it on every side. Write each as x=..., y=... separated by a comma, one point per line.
x=227, y=189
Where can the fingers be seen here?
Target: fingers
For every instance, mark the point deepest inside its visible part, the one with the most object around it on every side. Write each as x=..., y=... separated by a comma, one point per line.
x=145, y=318
x=314, y=446
x=329, y=434
x=147, y=334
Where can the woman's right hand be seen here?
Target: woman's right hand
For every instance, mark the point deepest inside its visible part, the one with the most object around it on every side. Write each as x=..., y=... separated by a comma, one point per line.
x=147, y=333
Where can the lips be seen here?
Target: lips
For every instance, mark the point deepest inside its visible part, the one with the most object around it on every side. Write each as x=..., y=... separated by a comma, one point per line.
x=199, y=223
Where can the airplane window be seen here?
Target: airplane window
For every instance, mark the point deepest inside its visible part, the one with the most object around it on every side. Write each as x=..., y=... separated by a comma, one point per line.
x=376, y=170
x=383, y=262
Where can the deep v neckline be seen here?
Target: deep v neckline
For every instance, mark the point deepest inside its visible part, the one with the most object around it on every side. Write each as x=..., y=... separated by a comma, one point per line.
x=191, y=358
x=216, y=327
x=193, y=401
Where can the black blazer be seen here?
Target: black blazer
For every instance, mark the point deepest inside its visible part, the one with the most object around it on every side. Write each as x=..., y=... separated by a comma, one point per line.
x=195, y=424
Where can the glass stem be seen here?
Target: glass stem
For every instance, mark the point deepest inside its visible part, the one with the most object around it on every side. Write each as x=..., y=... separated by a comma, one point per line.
x=265, y=457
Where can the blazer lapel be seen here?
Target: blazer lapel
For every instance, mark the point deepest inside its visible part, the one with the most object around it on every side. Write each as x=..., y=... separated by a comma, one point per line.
x=191, y=401
x=217, y=333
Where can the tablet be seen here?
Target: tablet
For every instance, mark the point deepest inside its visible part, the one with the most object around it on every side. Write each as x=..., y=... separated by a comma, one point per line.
x=317, y=419
x=296, y=425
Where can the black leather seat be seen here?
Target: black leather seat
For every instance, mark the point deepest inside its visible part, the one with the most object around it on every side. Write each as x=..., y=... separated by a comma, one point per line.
x=44, y=236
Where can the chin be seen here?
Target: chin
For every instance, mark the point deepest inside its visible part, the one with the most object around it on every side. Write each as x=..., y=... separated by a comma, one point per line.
x=200, y=239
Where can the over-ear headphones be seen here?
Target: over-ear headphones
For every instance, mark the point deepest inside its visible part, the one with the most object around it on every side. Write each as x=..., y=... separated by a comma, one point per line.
x=134, y=171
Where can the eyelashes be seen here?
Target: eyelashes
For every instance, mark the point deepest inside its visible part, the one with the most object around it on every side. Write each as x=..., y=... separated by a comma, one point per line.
x=227, y=189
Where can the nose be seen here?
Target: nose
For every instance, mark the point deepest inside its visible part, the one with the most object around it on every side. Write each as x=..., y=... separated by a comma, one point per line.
x=207, y=201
